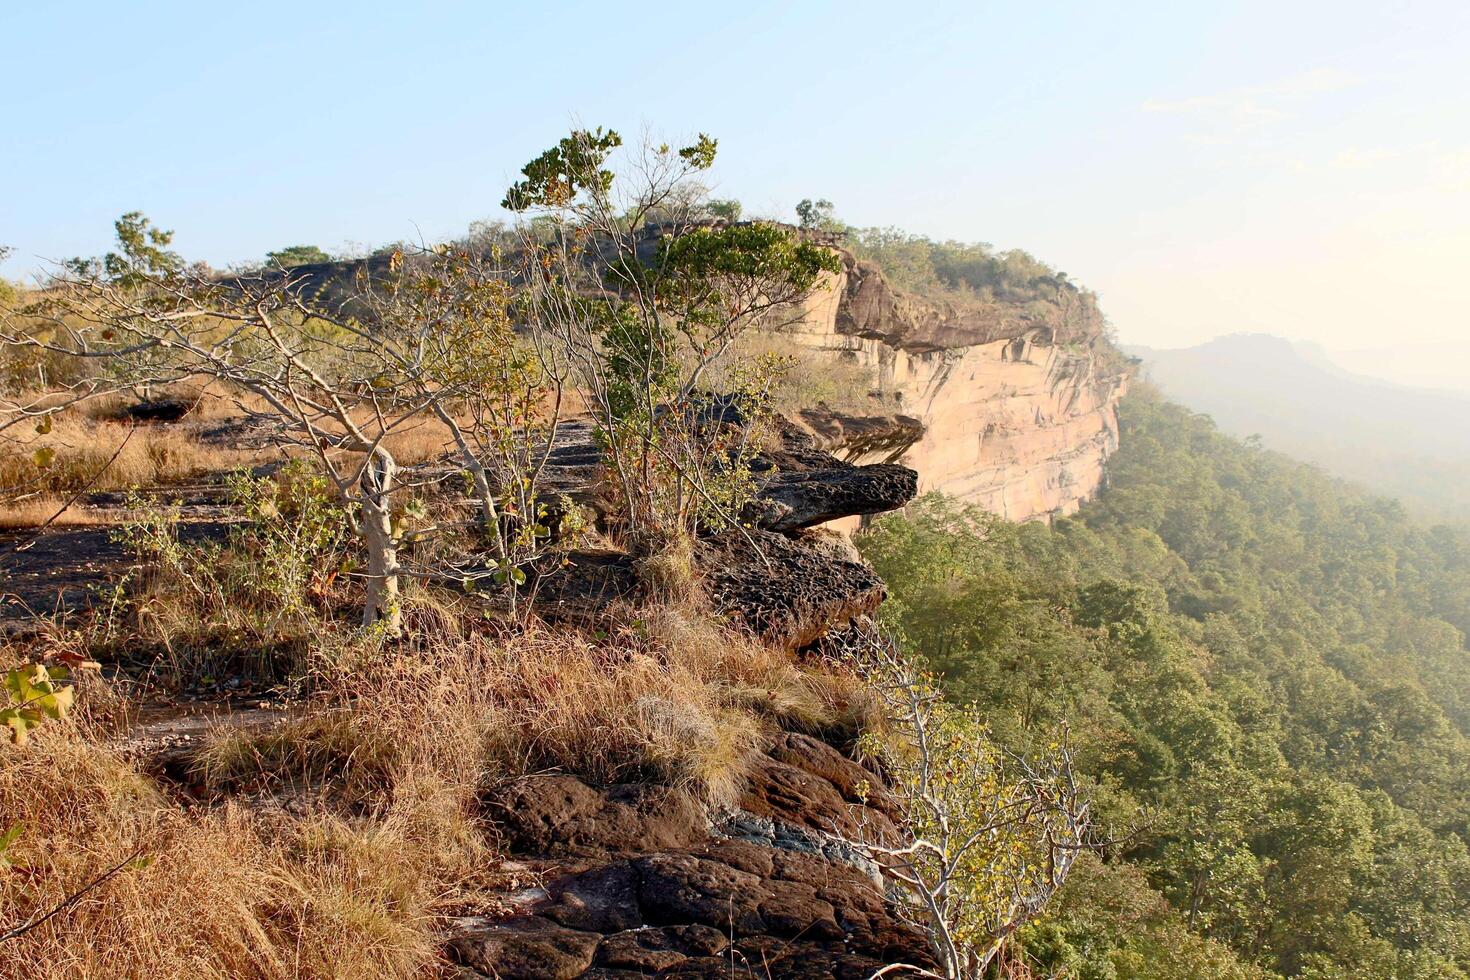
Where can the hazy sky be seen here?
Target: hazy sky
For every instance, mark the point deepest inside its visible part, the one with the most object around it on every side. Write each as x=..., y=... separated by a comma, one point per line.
x=1300, y=168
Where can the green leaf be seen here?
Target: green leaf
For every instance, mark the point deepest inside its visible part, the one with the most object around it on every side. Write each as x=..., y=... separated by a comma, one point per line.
x=6, y=839
x=43, y=457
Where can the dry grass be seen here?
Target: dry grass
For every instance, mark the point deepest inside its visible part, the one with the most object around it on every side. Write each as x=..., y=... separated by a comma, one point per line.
x=386, y=769
x=84, y=439
x=104, y=456
x=35, y=511
x=402, y=745
x=229, y=893
x=673, y=699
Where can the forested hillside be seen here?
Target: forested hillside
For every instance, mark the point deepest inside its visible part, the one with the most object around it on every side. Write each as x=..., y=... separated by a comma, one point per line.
x=1265, y=672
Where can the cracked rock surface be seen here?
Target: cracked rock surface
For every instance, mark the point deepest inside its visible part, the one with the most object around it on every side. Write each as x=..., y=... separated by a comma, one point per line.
x=642, y=882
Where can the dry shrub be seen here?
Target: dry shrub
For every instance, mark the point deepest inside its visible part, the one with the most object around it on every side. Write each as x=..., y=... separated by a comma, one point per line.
x=386, y=769
x=669, y=573
x=673, y=699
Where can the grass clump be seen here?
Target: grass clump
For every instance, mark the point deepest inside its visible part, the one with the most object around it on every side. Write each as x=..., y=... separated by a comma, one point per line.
x=228, y=893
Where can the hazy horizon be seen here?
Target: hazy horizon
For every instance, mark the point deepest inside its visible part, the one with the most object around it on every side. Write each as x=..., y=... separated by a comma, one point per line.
x=1301, y=170
x=1430, y=367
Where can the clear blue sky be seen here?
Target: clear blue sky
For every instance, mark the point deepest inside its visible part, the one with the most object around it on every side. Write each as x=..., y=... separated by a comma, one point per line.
x=1297, y=167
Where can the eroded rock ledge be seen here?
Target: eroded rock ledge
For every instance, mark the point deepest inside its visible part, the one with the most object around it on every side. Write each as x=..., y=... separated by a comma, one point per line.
x=639, y=881
x=782, y=577
x=1009, y=406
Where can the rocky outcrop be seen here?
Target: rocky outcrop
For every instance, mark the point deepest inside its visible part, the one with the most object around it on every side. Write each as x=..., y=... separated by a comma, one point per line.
x=1014, y=407
x=779, y=577
x=643, y=882
x=800, y=485
x=790, y=591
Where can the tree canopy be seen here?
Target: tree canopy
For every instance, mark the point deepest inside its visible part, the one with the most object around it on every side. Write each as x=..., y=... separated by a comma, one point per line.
x=1266, y=674
x=294, y=255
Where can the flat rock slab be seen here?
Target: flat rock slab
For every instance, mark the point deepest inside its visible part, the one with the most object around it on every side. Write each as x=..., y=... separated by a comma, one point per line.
x=663, y=891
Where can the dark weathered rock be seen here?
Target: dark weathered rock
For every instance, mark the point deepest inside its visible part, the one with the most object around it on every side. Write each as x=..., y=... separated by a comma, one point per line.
x=856, y=437
x=780, y=900
x=856, y=783
x=790, y=501
x=601, y=900
x=160, y=409
x=684, y=888
x=652, y=949
x=799, y=484
x=530, y=948
x=560, y=814
x=791, y=794
x=784, y=590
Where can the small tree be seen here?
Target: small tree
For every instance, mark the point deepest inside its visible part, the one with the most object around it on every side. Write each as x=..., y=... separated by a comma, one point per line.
x=726, y=209
x=430, y=339
x=816, y=215
x=987, y=838
x=445, y=317
x=631, y=282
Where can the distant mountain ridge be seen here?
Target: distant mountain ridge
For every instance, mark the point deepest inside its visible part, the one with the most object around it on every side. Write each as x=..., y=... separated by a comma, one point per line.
x=1406, y=442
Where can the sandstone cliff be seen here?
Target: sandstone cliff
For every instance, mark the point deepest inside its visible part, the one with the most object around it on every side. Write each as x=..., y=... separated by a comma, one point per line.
x=1012, y=408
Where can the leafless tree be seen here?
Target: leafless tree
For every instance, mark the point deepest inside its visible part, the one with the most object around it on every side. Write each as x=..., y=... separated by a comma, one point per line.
x=988, y=836
x=429, y=337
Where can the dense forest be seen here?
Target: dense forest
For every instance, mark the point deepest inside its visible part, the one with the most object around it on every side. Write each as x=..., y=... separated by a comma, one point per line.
x=1264, y=672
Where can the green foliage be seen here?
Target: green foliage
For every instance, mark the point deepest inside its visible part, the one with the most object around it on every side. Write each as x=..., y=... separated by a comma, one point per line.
x=987, y=836
x=642, y=295
x=257, y=592
x=33, y=693
x=7, y=838
x=727, y=209
x=813, y=215
x=557, y=176
x=294, y=255
x=968, y=274
x=296, y=531
x=143, y=252
x=1263, y=668
x=1109, y=923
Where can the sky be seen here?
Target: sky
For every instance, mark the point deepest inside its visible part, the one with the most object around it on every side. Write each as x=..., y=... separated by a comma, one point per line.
x=1293, y=167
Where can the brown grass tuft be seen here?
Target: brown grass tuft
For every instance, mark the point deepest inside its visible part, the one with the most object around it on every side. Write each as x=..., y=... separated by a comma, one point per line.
x=229, y=893
x=36, y=511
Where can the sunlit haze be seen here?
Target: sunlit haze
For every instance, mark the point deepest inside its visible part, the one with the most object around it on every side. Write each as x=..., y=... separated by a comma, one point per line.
x=1301, y=169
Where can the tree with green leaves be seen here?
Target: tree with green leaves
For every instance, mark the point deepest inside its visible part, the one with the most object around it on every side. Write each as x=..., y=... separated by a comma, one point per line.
x=819, y=215
x=641, y=293
x=726, y=209
x=1264, y=671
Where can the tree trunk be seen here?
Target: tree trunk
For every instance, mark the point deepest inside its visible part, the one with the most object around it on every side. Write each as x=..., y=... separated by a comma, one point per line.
x=381, y=603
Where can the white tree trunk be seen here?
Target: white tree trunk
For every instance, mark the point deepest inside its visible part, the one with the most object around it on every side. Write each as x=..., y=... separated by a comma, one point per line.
x=381, y=603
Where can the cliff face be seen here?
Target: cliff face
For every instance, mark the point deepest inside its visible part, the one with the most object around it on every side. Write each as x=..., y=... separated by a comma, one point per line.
x=1013, y=420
